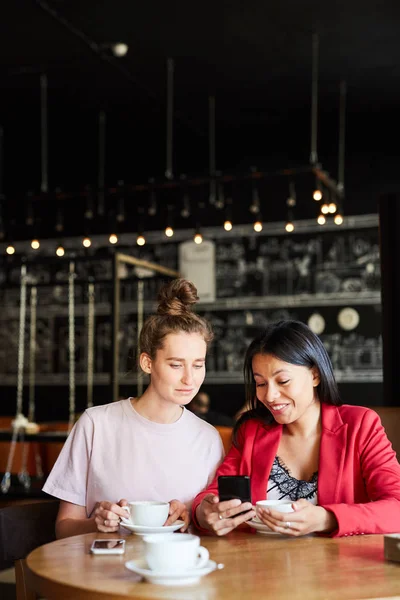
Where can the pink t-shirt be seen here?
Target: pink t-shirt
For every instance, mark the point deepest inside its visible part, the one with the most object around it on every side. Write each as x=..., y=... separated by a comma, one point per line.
x=113, y=452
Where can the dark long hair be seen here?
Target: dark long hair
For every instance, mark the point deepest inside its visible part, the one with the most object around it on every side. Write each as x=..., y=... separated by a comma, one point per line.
x=292, y=342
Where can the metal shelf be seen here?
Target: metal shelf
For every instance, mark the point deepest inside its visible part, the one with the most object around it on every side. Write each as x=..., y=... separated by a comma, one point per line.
x=240, y=303
x=222, y=377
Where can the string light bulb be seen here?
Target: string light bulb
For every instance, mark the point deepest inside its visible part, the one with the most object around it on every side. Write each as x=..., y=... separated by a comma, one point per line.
x=113, y=239
x=317, y=195
x=228, y=225
x=338, y=219
x=10, y=249
x=332, y=208
x=35, y=244
x=198, y=238
x=289, y=227
x=321, y=220
x=86, y=242
x=60, y=251
x=257, y=226
x=169, y=232
x=140, y=240
x=324, y=209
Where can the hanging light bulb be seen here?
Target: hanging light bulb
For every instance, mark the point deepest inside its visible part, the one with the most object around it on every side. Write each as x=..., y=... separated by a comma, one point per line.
x=10, y=249
x=140, y=240
x=228, y=225
x=338, y=219
x=317, y=195
x=60, y=251
x=332, y=208
x=289, y=227
x=119, y=49
x=86, y=242
x=325, y=209
x=35, y=244
x=257, y=226
x=321, y=220
x=169, y=232
x=113, y=239
x=198, y=238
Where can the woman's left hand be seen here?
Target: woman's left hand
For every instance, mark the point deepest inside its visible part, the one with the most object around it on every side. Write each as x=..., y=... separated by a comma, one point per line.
x=306, y=518
x=177, y=510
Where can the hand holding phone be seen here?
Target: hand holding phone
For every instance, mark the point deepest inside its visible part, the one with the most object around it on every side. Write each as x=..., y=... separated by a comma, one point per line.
x=108, y=547
x=234, y=486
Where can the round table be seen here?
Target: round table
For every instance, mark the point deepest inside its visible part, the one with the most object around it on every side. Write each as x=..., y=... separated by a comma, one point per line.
x=256, y=567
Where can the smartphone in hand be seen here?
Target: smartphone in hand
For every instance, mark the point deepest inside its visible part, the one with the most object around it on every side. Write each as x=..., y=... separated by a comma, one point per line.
x=234, y=486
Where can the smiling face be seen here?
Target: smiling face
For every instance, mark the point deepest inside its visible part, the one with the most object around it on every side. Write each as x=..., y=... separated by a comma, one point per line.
x=178, y=369
x=287, y=390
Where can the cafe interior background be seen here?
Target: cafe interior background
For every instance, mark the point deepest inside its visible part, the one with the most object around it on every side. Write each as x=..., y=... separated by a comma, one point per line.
x=264, y=131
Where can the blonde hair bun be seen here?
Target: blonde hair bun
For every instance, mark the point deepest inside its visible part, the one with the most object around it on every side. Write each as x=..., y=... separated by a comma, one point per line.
x=177, y=298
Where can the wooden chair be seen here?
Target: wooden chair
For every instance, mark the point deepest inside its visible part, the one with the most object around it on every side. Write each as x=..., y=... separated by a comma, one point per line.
x=22, y=529
x=390, y=417
x=226, y=436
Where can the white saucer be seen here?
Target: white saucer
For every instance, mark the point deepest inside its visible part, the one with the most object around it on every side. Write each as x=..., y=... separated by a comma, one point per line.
x=140, y=567
x=145, y=530
x=261, y=528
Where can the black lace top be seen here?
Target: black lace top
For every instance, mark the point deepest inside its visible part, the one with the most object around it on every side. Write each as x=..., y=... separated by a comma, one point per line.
x=282, y=485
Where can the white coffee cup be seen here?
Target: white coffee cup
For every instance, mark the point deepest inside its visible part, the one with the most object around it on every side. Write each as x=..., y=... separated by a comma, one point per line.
x=147, y=513
x=283, y=506
x=174, y=552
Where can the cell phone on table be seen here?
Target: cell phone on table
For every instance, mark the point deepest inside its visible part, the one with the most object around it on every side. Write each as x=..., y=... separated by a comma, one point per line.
x=108, y=547
x=234, y=486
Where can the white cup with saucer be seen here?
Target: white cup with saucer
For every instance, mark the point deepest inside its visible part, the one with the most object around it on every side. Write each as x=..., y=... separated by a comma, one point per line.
x=283, y=506
x=174, y=552
x=147, y=513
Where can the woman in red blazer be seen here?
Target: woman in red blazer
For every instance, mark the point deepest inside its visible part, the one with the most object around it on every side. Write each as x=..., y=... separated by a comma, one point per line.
x=299, y=443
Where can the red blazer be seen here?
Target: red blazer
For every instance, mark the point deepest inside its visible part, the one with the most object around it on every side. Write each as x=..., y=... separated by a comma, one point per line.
x=358, y=473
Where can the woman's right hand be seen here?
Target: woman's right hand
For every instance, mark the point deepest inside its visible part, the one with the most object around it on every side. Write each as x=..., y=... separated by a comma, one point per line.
x=222, y=517
x=107, y=515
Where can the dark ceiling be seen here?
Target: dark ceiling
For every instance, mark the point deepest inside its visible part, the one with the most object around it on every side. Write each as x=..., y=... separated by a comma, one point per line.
x=255, y=57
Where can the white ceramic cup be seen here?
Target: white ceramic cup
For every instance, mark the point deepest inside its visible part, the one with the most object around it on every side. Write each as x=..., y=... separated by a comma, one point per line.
x=284, y=506
x=147, y=513
x=174, y=552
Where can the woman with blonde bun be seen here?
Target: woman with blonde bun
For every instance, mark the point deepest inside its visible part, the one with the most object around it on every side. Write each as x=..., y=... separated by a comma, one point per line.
x=146, y=448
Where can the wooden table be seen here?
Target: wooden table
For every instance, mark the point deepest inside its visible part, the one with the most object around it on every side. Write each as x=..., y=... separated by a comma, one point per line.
x=256, y=567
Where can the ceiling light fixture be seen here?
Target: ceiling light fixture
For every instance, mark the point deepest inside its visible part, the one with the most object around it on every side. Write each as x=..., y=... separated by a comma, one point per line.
x=289, y=227
x=321, y=220
x=10, y=249
x=86, y=242
x=119, y=49
x=338, y=219
x=332, y=208
x=35, y=244
x=325, y=209
x=113, y=239
x=140, y=240
x=198, y=238
x=291, y=203
x=257, y=226
x=169, y=232
x=228, y=225
x=60, y=251
x=317, y=195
